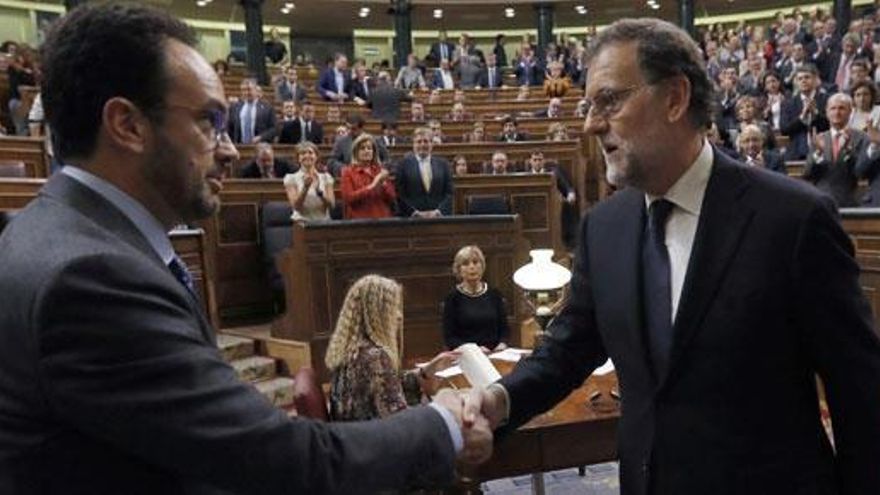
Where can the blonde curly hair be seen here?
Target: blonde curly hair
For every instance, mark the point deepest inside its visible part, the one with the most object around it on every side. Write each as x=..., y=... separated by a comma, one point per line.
x=369, y=312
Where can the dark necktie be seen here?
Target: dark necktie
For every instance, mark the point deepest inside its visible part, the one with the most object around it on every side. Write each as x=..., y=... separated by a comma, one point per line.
x=657, y=285
x=181, y=273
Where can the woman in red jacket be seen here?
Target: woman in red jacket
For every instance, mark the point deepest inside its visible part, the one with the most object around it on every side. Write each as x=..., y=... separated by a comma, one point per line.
x=367, y=191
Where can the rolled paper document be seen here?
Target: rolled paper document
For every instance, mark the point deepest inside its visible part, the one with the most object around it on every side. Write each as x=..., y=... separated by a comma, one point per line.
x=476, y=367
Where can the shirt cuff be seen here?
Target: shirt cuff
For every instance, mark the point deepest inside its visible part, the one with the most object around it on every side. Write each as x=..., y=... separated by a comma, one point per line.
x=451, y=425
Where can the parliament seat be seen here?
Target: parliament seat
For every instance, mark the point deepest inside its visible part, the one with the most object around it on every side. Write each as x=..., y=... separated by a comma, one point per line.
x=13, y=168
x=487, y=205
x=277, y=230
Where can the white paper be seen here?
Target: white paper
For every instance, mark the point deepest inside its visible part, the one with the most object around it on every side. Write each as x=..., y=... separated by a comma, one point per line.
x=510, y=354
x=606, y=368
x=449, y=372
x=476, y=367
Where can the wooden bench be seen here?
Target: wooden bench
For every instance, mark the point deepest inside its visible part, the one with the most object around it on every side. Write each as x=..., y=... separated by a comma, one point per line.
x=30, y=151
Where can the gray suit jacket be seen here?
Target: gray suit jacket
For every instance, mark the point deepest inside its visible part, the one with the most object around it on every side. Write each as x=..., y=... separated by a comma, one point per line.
x=838, y=178
x=110, y=380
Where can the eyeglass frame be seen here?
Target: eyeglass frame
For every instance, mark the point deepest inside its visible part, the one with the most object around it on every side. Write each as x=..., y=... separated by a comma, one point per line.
x=620, y=95
x=218, y=118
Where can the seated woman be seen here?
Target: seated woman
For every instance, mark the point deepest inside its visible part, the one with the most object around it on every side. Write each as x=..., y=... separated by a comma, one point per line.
x=367, y=191
x=363, y=355
x=460, y=165
x=473, y=312
x=309, y=191
x=557, y=131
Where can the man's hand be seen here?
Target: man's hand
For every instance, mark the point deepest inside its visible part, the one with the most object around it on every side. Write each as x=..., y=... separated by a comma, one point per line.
x=490, y=403
x=477, y=434
x=817, y=142
x=872, y=132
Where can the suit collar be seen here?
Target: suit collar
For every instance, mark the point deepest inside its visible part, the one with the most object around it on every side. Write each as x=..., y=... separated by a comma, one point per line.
x=99, y=210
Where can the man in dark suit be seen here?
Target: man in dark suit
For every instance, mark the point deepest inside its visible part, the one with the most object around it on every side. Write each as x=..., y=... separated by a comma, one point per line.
x=385, y=99
x=528, y=69
x=510, y=131
x=569, y=215
x=553, y=110
x=250, y=117
x=312, y=130
x=288, y=89
x=288, y=130
x=835, y=153
x=360, y=87
x=719, y=292
x=111, y=379
x=491, y=76
x=443, y=77
x=334, y=81
x=803, y=113
x=423, y=181
x=441, y=49
x=265, y=165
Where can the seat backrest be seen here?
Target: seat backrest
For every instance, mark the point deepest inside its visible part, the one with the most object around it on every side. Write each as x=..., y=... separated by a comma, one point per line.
x=308, y=397
x=277, y=234
x=487, y=205
x=12, y=169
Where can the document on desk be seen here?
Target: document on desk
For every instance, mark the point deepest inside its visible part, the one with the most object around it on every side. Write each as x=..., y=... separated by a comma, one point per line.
x=476, y=366
x=511, y=354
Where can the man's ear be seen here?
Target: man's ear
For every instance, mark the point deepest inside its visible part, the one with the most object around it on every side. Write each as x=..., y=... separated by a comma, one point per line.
x=678, y=98
x=124, y=125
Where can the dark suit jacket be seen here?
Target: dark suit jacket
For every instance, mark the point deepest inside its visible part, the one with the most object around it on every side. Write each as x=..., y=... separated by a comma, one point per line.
x=314, y=132
x=437, y=80
x=519, y=136
x=411, y=194
x=284, y=93
x=497, y=80
x=771, y=298
x=327, y=82
x=792, y=126
x=869, y=168
x=264, y=121
x=355, y=88
x=385, y=102
x=838, y=178
x=285, y=131
x=112, y=382
x=252, y=170
x=434, y=52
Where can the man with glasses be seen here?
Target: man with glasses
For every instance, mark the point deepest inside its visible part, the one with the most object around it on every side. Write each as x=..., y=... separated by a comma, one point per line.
x=110, y=379
x=719, y=291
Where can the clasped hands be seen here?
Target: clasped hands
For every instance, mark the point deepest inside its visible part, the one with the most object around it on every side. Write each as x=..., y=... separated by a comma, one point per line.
x=478, y=413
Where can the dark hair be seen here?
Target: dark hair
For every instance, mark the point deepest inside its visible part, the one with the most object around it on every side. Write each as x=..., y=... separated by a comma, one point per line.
x=387, y=124
x=808, y=68
x=864, y=84
x=664, y=51
x=355, y=120
x=95, y=53
x=510, y=118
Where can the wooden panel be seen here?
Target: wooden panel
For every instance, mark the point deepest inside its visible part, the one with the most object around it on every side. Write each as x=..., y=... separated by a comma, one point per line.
x=31, y=151
x=320, y=278
x=863, y=227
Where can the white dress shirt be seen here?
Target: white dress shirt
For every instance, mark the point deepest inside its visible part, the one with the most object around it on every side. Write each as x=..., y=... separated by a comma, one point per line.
x=681, y=226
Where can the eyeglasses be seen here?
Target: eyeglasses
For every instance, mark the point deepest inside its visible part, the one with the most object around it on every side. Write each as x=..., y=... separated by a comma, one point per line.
x=607, y=102
x=210, y=121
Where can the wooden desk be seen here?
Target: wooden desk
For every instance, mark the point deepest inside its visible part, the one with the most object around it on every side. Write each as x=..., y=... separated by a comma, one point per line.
x=327, y=257
x=572, y=434
x=31, y=151
x=863, y=227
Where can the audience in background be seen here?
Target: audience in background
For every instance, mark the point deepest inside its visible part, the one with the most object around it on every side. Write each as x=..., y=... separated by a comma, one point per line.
x=750, y=145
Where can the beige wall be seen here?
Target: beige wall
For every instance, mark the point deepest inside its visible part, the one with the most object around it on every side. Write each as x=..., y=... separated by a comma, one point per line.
x=213, y=44
x=17, y=25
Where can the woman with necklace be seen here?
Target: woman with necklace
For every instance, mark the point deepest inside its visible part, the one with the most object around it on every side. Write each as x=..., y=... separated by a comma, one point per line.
x=473, y=312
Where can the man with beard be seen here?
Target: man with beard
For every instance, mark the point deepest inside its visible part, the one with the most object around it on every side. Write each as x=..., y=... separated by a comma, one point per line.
x=719, y=291
x=110, y=379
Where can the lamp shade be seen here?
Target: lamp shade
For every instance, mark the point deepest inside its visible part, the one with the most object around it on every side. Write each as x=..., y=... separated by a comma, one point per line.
x=542, y=273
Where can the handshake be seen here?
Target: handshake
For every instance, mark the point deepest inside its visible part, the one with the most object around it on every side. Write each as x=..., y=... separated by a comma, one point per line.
x=477, y=413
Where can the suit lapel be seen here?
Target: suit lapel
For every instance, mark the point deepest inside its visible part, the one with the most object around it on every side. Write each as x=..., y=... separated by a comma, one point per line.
x=619, y=252
x=723, y=220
